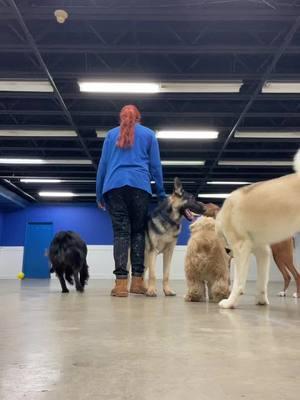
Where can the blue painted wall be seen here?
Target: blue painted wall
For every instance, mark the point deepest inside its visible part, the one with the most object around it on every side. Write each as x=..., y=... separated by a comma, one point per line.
x=92, y=224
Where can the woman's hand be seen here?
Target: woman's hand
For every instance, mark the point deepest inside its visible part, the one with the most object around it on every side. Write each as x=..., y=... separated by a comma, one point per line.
x=101, y=205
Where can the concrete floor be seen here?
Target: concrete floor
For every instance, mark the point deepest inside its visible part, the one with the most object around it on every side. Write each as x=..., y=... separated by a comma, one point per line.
x=93, y=346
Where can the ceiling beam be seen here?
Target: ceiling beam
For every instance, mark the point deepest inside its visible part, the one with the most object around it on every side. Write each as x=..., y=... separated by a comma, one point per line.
x=155, y=96
x=79, y=48
x=12, y=196
x=96, y=126
x=174, y=12
x=40, y=148
x=69, y=75
x=161, y=114
x=194, y=148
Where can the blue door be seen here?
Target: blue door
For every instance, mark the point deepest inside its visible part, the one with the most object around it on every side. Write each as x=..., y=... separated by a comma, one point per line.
x=37, y=241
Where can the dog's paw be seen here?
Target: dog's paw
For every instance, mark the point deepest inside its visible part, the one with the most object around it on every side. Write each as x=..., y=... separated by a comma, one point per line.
x=262, y=303
x=169, y=292
x=282, y=293
x=296, y=295
x=65, y=290
x=190, y=298
x=262, y=300
x=80, y=289
x=151, y=292
x=226, y=304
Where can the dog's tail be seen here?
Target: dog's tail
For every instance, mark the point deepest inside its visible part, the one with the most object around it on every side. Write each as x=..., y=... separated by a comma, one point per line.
x=297, y=162
x=219, y=229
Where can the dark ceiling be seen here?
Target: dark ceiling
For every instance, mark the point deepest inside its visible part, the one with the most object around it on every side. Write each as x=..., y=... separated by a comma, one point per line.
x=252, y=41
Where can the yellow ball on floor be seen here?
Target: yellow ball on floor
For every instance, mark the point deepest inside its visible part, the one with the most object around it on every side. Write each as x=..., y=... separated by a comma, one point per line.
x=20, y=275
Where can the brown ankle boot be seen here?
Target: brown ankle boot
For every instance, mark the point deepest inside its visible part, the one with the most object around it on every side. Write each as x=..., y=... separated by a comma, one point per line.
x=137, y=285
x=120, y=289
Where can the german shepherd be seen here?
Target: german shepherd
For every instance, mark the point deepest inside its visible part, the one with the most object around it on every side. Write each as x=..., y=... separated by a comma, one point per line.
x=67, y=254
x=162, y=231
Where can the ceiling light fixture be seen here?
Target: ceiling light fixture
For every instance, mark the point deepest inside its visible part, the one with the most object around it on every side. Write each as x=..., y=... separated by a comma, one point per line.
x=25, y=86
x=56, y=194
x=201, y=87
x=65, y=194
x=29, y=180
x=163, y=87
x=184, y=182
x=177, y=134
x=267, y=135
x=119, y=87
x=101, y=134
x=214, y=195
x=179, y=162
x=37, y=161
x=36, y=133
x=281, y=87
x=50, y=180
x=250, y=163
x=185, y=134
x=227, y=183
x=21, y=161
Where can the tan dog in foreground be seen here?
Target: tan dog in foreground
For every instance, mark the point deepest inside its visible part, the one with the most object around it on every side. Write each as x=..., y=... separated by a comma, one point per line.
x=251, y=219
x=206, y=262
x=283, y=255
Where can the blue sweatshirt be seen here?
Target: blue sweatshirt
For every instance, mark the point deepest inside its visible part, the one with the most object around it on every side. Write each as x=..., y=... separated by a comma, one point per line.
x=134, y=166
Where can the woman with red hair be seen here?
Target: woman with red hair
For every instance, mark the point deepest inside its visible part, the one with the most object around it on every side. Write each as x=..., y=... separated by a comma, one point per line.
x=130, y=159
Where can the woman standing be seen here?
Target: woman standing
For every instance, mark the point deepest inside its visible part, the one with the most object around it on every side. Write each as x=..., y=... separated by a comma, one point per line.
x=130, y=159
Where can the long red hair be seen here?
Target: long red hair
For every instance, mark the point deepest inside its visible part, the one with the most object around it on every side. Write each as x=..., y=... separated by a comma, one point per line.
x=129, y=116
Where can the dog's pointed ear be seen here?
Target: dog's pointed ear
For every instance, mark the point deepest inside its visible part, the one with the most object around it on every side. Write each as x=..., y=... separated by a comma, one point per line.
x=178, y=189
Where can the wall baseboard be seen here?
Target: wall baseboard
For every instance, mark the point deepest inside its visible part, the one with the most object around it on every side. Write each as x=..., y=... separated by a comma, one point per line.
x=100, y=260
x=11, y=261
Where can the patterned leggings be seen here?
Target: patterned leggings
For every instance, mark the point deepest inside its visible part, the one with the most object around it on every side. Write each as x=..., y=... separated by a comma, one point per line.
x=128, y=208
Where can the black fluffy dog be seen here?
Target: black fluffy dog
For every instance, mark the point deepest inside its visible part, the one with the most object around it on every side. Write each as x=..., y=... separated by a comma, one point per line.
x=67, y=254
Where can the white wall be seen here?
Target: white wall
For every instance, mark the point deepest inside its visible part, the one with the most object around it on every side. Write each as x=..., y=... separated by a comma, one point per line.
x=11, y=259
x=100, y=260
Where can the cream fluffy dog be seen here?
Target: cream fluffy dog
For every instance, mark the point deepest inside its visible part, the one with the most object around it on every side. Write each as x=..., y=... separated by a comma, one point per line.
x=206, y=261
x=254, y=217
